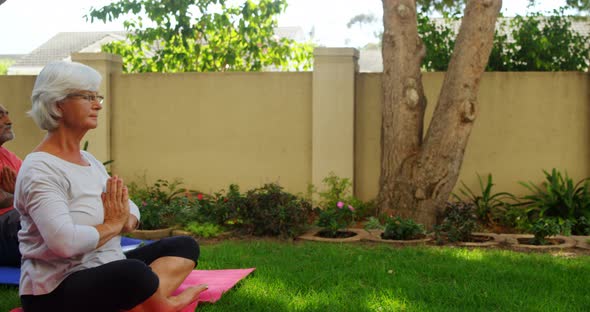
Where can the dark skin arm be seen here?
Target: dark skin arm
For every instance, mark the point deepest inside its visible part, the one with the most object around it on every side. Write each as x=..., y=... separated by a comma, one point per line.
x=6, y=199
x=7, y=181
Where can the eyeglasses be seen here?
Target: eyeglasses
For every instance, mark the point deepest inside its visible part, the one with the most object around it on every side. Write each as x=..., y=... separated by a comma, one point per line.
x=88, y=97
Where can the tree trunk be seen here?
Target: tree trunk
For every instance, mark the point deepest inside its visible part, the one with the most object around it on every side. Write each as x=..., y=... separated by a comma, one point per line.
x=419, y=172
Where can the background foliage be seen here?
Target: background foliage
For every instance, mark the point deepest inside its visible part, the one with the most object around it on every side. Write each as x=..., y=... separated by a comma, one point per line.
x=202, y=35
x=4, y=64
x=535, y=42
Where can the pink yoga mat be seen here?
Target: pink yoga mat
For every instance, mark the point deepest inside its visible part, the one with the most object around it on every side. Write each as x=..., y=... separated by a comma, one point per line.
x=219, y=281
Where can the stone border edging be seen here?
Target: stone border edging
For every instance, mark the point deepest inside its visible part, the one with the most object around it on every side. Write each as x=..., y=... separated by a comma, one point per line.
x=581, y=241
x=375, y=236
x=512, y=239
x=494, y=241
x=311, y=236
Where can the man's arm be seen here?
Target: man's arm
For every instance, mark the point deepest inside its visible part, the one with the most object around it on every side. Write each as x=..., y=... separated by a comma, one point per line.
x=6, y=199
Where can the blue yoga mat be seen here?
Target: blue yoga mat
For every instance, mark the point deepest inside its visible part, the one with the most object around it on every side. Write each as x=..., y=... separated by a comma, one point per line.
x=11, y=276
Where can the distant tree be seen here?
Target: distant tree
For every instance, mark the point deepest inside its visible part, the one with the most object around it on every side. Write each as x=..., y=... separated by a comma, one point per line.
x=4, y=64
x=580, y=5
x=439, y=40
x=361, y=19
x=536, y=42
x=202, y=35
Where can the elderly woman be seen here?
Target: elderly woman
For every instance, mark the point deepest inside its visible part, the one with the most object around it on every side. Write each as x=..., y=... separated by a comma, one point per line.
x=73, y=213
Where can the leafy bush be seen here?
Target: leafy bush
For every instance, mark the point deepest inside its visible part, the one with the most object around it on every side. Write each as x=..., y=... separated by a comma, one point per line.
x=488, y=206
x=338, y=208
x=402, y=229
x=581, y=226
x=4, y=64
x=161, y=206
x=539, y=43
x=543, y=228
x=204, y=230
x=335, y=218
x=524, y=43
x=373, y=224
x=558, y=197
x=271, y=211
x=458, y=223
x=223, y=208
x=439, y=40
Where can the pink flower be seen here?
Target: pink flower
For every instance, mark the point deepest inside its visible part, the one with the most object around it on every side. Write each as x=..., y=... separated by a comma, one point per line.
x=351, y=208
x=143, y=203
x=340, y=204
x=200, y=196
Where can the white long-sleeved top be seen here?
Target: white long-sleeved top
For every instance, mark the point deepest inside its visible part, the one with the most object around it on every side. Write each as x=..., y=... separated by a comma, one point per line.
x=60, y=203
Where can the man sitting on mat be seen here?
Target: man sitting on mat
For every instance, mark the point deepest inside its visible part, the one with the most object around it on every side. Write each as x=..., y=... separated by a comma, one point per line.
x=9, y=218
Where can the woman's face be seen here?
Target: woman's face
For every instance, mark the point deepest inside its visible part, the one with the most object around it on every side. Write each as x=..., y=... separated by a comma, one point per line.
x=80, y=109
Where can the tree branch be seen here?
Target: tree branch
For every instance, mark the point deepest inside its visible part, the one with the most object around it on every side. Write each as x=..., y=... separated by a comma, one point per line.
x=403, y=94
x=456, y=108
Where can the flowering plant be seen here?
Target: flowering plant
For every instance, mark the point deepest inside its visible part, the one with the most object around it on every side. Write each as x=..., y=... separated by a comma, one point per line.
x=336, y=217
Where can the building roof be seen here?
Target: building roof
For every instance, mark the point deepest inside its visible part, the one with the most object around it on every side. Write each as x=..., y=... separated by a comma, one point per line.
x=13, y=57
x=63, y=44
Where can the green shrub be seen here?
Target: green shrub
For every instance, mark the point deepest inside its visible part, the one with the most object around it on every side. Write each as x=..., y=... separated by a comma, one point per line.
x=4, y=64
x=544, y=228
x=162, y=204
x=373, y=224
x=402, y=229
x=458, y=223
x=335, y=218
x=204, y=230
x=338, y=189
x=489, y=207
x=581, y=226
x=271, y=211
x=558, y=197
x=223, y=208
x=338, y=208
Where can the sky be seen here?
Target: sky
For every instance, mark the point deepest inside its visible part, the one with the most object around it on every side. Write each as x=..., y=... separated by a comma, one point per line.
x=26, y=24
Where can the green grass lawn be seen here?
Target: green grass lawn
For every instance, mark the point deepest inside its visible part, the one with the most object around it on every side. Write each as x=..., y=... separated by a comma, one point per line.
x=311, y=276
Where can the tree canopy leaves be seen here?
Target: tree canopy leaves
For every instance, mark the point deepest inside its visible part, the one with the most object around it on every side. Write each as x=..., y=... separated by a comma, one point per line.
x=202, y=35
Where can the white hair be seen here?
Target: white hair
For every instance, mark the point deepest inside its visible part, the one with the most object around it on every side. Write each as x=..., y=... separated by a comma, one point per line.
x=53, y=84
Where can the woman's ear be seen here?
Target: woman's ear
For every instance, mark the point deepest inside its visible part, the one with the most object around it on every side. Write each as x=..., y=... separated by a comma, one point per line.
x=59, y=105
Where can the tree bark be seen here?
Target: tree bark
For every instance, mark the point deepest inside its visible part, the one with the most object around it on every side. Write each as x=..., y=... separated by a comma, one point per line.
x=419, y=172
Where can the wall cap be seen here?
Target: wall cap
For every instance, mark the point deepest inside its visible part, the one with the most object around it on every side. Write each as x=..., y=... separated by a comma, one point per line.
x=100, y=56
x=336, y=52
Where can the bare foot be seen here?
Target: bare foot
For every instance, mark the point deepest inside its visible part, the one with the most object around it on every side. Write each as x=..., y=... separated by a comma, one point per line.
x=187, y=296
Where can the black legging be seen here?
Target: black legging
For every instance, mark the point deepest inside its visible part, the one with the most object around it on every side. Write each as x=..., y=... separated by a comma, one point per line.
x=9, y=227
x=115, y=286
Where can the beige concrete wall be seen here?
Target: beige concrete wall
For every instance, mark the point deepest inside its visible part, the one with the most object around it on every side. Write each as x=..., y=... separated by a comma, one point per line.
x=213, y=129
x=15, y=95
x=333, y=114
x=526, y=122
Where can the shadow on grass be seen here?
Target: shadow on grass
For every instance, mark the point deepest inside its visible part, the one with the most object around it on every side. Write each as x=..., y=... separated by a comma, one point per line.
x=8, y=298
